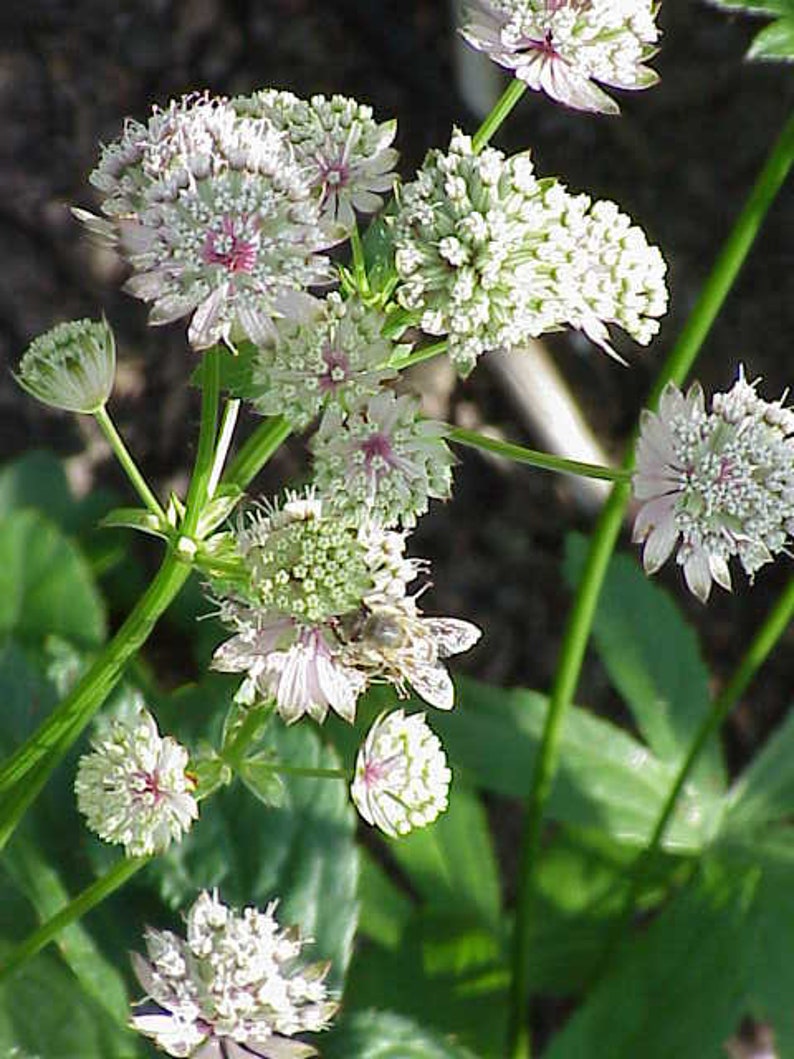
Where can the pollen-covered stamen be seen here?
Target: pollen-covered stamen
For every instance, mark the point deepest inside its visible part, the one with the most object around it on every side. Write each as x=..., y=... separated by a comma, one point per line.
x=227, y=247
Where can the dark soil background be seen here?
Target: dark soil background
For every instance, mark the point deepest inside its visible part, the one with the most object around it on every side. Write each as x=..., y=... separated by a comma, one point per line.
x=680, y=160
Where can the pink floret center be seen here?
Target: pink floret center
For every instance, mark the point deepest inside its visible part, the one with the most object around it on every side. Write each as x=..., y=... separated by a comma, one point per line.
x=230, y=249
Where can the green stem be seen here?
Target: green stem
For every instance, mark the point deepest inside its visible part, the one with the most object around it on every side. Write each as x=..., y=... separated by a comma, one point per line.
x=256, y=451
x=776, y=623
x=90, y=897
x=580, y=620
x=296, y=770
x=543, y=460
x=502, y=108
x=417, y=356
x=228, y=423
x=124, y=457
x=202, y=470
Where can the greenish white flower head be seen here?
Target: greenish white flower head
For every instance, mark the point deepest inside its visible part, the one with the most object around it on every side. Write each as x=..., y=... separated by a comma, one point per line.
x=234, y=987
x=347, y=155
x=71, y=367
x=715, y=484
x=382, y=460
x=134, y=788
x=401, y=780
x=336, y=358
x=561, y=47
x=492, y=256
x=216, y=219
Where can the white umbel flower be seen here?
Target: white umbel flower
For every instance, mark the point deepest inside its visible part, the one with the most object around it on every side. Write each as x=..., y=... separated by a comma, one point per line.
x=561, y=47
x=347, y=155
x=492, y=256
x=233, y=988
x=216, y=219
x=714, y=484
x=72, y=366
x=134, y=789
x=401, y=780
x=382, y=460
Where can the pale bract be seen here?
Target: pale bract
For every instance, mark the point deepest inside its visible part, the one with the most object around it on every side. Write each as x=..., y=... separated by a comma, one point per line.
x=491, y=255
x=714, y=484
x=134, y=788
x=561, y=47
x=233, y=988
x=216, y=219
x=72, y=366
x=401, y=779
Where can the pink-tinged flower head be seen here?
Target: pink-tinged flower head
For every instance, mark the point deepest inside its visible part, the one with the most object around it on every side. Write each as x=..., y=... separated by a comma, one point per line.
x=561, y=47
x=715, y=484
x=234, y=988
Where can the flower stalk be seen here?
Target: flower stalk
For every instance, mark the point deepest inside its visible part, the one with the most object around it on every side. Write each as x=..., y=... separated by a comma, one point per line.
x=123, y=455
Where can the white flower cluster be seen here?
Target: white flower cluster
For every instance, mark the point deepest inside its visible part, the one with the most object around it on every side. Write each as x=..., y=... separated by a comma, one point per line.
x=72, y=366
x=347, y=155
x=337, y=357
x=491, y=256
x=324, y=609
x=134, y=788
x=561, y=47
x=234, y=988
x=216, y=219
x=716, y=483
x=401, y=780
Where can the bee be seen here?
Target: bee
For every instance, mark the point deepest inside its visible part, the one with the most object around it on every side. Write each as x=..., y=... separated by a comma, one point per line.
x=397, y=643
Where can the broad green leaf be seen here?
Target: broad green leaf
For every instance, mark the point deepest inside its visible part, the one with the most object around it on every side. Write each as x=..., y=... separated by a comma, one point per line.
x=45, y=584
x=42, y=885
x=770, y=967
x=677, y=990
x=451, y=863
x=385, y=910
x=36, y=480
x=606, y=781
x=775, y=41
x=384, y=1035
x=302, y=853
x=765, y=790
x=45, y=1014
x=653, y=660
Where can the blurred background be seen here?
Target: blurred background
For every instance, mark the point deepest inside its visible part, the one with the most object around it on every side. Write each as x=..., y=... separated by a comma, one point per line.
x=680, y=160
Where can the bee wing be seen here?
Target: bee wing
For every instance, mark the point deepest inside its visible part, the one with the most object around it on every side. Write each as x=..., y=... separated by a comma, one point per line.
x=430, y=682
x=452, y=635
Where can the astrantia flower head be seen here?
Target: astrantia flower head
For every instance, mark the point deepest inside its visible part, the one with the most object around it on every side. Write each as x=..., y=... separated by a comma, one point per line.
x=306, y=567
x=133, y=788
x=233, y=988
x=348, y=156
x=401, y=780
x=716, y=484
x=491, y=256
x=71, y=367
x=561, y=47
x=337, y=357
x=382, y=461
x=216, y=219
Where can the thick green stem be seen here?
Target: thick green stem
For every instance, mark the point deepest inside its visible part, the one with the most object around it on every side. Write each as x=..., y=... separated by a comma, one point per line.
x=580, y=621
x=124, y=457
x=776, y=623
x=76, y=909
x=543, y=460
x=502, y=108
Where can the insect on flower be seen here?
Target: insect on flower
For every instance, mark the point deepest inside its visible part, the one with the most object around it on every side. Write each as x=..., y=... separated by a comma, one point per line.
x=397, y=643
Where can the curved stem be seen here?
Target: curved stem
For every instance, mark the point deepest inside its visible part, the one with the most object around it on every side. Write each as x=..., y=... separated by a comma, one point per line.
x=776, y=623
x=501, y=109
x=103, y=887
x=580, y=620
x=124, y=457
x=545, y=461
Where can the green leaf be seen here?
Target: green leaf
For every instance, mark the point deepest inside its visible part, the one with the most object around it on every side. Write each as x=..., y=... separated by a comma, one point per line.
x=384, y=1035
x=36, y=480
x=653, y=659
x=302, y=852
x=451, y=863
x=257, y=774
x=378, y=245
x=136, y=518
x=45, y=584
x=776, y=41
x=385, y=910
x=236, y=371
x=607, y=781
x=764, y=794
x=44, y=1014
